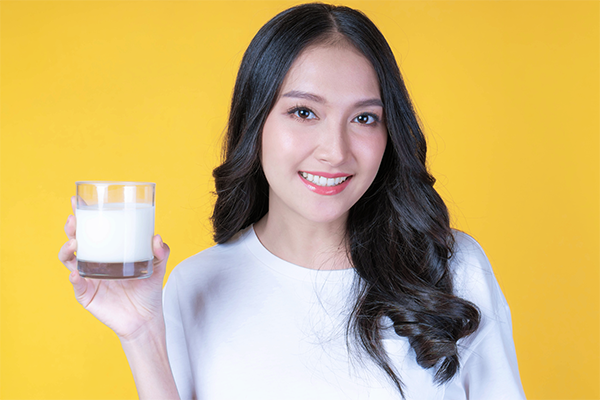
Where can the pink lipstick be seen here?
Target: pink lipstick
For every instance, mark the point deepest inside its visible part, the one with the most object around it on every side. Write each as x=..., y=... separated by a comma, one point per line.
x=324, y=183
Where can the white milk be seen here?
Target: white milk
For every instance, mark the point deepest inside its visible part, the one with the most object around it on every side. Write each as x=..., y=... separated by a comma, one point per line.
x=115, y=234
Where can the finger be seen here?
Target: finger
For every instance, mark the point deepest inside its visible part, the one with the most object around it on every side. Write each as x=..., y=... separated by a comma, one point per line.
x=160, y=249
x=74, y=204
x=71, y=226
x=67, y=256
x=81, y=287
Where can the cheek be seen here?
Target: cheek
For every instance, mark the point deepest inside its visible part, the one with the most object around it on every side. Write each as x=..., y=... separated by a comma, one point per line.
x=281, y=146
x=276, y=153
x=382, y=146
x=371, y=151
x=272, y=147
x=268, y=144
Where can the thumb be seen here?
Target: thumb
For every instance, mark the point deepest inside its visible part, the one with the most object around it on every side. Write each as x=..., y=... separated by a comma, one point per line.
x=161, y=250
x=80, y=286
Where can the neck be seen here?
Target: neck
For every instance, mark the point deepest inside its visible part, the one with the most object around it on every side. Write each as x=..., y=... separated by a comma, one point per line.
x=310, y=245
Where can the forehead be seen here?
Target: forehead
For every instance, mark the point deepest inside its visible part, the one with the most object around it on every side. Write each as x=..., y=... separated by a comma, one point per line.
x=333, y=70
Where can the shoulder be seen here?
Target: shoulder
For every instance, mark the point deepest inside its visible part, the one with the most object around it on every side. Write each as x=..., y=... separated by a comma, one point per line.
x=468, y=250
x=474, y=278
x=488, y=359
x=209, y=265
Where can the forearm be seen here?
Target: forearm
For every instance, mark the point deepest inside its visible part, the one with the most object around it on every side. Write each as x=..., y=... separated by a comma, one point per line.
x=147, y=357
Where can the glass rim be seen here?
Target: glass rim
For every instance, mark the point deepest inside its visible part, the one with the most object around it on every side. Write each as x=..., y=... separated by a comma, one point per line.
x=115, y=183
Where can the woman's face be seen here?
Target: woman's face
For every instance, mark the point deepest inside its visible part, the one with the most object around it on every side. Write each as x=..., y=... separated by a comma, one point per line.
x=323, y=141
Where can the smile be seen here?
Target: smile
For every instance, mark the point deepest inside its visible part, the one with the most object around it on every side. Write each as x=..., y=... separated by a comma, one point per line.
x=324, y=181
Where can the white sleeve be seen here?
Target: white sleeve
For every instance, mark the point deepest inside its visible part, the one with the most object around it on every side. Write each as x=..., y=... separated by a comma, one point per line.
x=488, y=361
x=177, y=349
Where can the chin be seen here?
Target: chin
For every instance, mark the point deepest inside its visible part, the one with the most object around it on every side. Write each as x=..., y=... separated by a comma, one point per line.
x=324, y=217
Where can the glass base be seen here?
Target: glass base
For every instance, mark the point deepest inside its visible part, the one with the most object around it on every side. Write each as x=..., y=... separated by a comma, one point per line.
x=127, y=270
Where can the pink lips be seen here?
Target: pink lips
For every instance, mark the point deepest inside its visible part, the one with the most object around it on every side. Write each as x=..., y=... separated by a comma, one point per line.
x=326, y=190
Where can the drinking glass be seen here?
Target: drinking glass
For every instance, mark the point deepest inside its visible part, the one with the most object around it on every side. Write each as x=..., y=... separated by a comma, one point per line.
x=115, y=226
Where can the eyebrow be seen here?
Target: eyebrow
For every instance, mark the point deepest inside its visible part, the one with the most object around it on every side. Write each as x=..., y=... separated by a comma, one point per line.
x=318, y=99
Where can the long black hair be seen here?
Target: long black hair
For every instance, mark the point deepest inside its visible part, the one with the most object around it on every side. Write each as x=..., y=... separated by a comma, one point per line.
x=398, y=234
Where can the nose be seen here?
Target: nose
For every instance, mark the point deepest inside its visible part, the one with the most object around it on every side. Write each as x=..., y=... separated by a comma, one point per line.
x=333, y=147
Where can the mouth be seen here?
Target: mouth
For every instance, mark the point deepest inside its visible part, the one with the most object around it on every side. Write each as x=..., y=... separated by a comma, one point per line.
x=324, y=181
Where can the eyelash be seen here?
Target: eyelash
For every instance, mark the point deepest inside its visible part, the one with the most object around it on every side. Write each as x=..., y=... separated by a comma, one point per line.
x=292, y=111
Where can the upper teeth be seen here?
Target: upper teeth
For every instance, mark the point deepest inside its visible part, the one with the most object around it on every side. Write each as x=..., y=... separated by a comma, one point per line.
x=322, y=181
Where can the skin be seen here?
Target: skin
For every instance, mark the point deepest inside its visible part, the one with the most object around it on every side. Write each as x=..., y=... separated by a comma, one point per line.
x=334, y=131
x=133, y=310
x=328, y=119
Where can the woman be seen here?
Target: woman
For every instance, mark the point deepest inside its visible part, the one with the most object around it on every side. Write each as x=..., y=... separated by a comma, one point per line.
x=336, y=274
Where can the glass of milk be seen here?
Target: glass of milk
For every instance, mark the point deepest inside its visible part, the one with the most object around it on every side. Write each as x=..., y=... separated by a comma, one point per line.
x=115, y=226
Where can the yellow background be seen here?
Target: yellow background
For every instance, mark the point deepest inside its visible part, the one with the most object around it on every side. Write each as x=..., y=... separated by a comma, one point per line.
x=508, y=93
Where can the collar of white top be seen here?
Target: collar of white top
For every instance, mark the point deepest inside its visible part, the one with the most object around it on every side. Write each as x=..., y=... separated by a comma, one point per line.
x=289, y=269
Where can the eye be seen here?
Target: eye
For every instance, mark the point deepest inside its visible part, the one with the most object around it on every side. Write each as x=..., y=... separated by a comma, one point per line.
x=302, y=113
x=367, y=119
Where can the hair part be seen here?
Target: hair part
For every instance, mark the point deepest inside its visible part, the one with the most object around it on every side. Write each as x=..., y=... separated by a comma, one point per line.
x=398, y=234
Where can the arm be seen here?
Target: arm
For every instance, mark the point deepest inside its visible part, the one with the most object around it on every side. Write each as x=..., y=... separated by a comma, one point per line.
x=133, y=310
x=488, y=360
x=147, y=357
x=489, y=368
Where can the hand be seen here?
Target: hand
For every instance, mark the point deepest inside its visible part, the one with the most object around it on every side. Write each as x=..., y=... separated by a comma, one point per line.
x=129, y=307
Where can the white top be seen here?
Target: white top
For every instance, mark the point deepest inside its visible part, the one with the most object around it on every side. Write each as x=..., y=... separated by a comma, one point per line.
x=245, y=324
